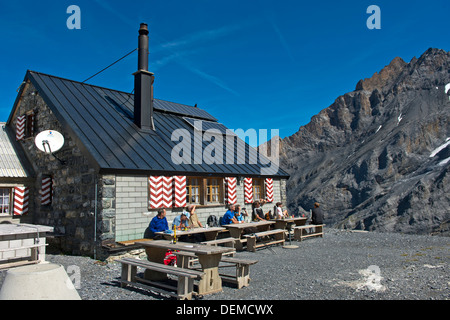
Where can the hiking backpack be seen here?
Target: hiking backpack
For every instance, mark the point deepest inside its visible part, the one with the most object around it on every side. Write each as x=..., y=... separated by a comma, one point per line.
x=212, y=221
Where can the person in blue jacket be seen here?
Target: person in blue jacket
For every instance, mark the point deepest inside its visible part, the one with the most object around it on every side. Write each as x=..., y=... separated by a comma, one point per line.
x=158, y=224
x=228, y=217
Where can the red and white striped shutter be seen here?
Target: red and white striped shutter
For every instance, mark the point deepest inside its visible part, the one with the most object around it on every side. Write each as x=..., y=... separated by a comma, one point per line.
x=46, y=191
x=269, y=190
x=20, y=127
x=167, y=192
x=155, y=184
x=231, y=194
x=179, y=191
x=21, y=199
x=248, y=190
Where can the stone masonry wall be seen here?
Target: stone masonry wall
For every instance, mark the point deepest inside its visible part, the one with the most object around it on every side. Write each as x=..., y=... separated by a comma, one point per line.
x=72, y=210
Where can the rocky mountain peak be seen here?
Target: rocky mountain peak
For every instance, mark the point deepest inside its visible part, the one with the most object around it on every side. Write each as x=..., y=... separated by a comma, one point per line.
x=380, y=80
x=367, y=156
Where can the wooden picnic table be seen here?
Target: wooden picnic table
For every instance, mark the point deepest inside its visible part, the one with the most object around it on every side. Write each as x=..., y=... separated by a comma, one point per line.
x=282, y=223
x=208, y=256
x=210, y=233
x=238, y=229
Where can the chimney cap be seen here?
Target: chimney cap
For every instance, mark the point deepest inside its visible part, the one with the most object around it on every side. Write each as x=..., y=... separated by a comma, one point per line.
x=144, y=29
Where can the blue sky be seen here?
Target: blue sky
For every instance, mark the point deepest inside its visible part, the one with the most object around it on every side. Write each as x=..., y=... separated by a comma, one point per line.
x=252, y=64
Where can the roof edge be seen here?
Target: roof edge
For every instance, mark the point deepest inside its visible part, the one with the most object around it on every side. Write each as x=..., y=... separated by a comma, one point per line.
x=121, y=171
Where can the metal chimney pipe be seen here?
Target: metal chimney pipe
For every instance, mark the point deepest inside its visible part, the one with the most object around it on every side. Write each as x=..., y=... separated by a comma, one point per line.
x=143, y=47
x=143, y=85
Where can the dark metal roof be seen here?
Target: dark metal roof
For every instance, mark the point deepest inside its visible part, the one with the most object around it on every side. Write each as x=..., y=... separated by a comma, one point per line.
x=203, y=125
x=102, y=120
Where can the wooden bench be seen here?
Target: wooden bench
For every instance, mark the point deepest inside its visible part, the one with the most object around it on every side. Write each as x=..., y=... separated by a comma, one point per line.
x=300, y=232
x=186, y=277
x=226, y=242
x=242, y=276
x=132, y=242
x=252, y=245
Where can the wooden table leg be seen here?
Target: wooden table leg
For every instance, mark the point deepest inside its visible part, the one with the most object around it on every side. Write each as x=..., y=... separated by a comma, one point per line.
x=211, y=281
x=236, y=233
x=128, y=274
x=280, y=224
x=211, y=235
x=183, y=261
x=155, y=255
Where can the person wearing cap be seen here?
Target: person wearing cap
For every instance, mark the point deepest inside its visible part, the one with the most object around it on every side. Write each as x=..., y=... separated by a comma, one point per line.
x=317, y=214
x=180, y=222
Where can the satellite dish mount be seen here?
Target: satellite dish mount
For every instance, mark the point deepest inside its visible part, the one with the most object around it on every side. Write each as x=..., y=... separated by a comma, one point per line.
x=50, y=141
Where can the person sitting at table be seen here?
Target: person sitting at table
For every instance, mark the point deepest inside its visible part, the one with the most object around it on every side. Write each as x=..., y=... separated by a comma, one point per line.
x=158, y=224
x=193, y=217
x=258, y=214
x=246, y=217
x=228, y=217
x=180, y=222
x=317, y=214
x=280, y=214
x=194, y=222
x=238, y=213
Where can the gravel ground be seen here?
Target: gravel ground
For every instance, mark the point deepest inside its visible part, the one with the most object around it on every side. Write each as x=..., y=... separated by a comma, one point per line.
x=342, y=265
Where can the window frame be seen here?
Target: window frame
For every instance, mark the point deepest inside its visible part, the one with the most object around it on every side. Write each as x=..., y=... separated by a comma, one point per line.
x=258, y=183
x=10, y=204
x=205, y=186
x=189, y=187
x=29, y=125
x=209, y=195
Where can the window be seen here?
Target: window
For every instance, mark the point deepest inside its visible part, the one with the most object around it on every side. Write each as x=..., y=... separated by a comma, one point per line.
x=258, y=189
x=213, y=190
x=5, y=200
x=193, y=186
x=204, y=191
x=29, y=125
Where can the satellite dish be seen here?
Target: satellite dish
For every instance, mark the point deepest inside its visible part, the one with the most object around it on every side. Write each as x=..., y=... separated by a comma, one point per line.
x=49, y=141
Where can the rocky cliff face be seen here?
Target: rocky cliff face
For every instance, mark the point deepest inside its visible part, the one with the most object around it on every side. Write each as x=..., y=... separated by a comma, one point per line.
x=378, y=158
